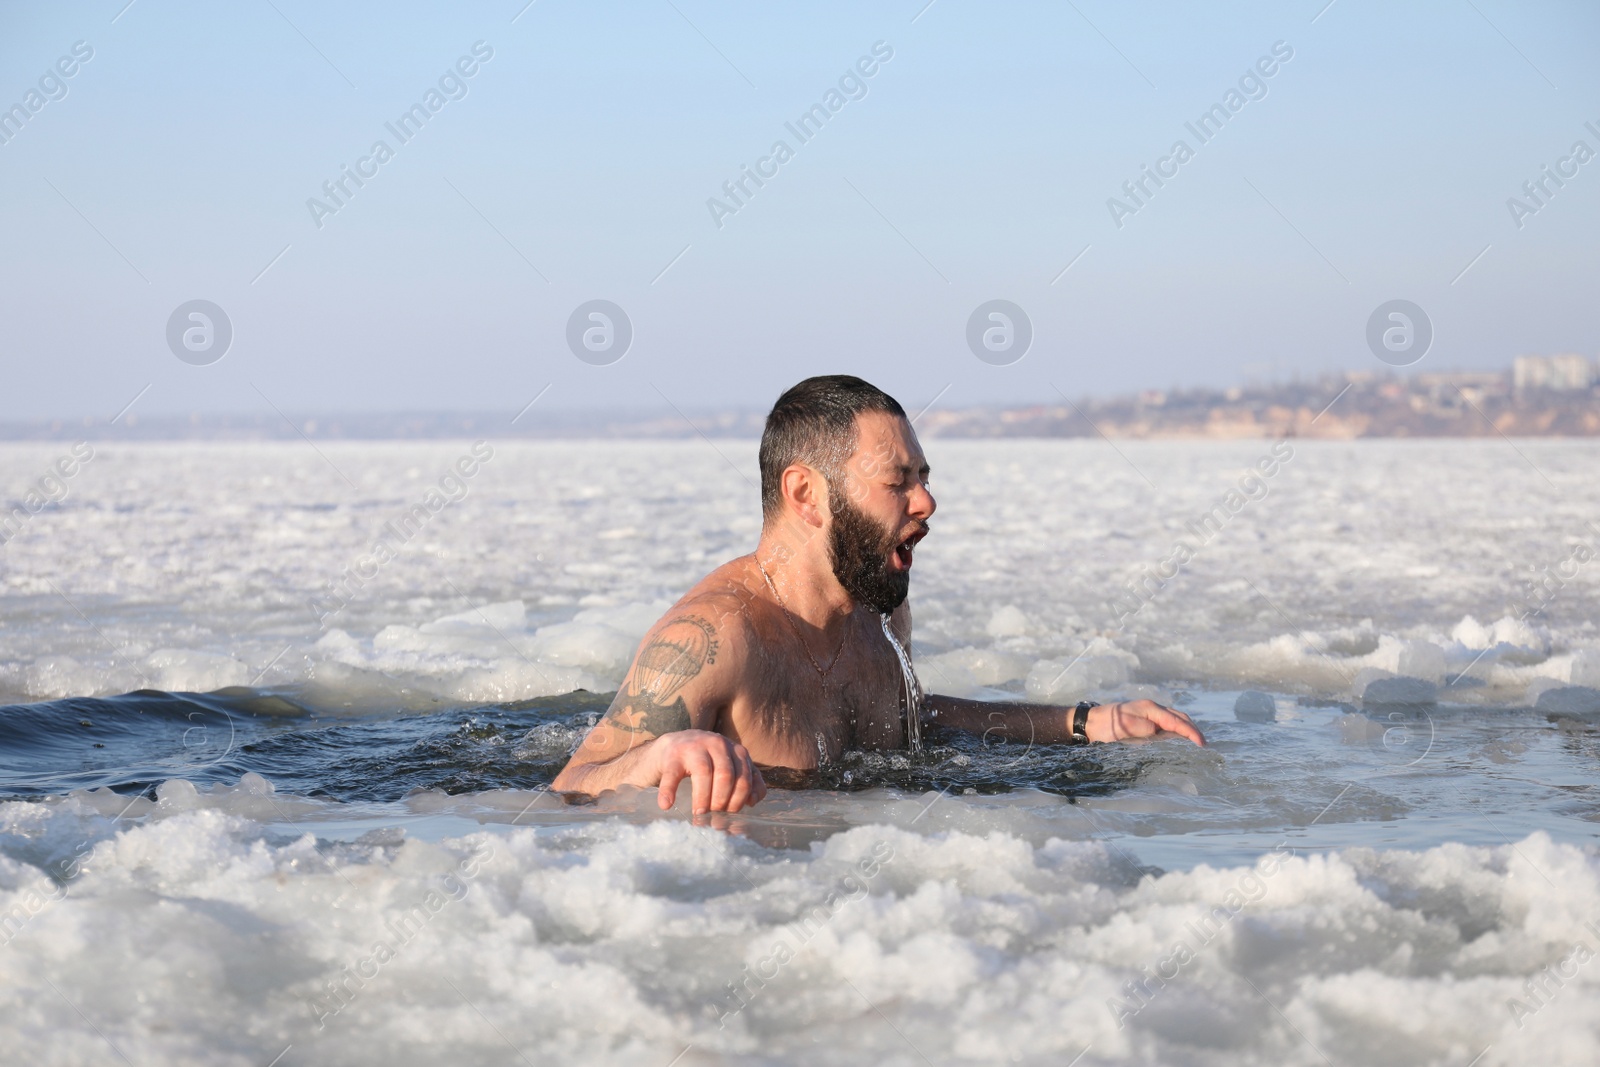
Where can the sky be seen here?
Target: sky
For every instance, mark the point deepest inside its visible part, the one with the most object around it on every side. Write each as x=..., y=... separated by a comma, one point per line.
x=585, y=156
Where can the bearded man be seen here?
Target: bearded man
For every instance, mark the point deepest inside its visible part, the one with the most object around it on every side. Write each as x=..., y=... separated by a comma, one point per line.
x=800, y=651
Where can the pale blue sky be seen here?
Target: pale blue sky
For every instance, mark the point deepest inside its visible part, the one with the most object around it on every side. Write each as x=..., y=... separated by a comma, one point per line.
x=977, y=166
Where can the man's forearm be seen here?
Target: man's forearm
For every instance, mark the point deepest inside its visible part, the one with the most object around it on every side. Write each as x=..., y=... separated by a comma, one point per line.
x=596, y=778
x=1047, y=725
x=1008, y=720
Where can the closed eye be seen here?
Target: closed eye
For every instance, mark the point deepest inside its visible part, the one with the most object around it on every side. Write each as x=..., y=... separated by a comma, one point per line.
x=906, y=480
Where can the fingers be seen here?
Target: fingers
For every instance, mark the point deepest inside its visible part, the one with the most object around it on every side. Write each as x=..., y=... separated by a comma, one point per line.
x=1179, y=723
x=723, y=775
x=744, y=779
x=678, y=763
x=671, y=775
x=1146, y=718
x=745, y=785
x=718, y=820
x=1158, y=717
x=702, y=771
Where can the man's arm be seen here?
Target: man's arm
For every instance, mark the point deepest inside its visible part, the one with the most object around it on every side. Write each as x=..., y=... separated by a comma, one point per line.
x=1045, y=724
x=660, y=728
x=1015, y=720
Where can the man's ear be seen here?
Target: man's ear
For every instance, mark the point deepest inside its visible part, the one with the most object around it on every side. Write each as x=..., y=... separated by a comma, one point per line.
x=806, y=492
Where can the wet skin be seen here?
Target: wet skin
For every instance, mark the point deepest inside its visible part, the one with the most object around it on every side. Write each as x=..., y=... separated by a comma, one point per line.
x=787, y=667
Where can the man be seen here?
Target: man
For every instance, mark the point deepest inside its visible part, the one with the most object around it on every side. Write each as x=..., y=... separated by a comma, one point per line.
x=783, y=658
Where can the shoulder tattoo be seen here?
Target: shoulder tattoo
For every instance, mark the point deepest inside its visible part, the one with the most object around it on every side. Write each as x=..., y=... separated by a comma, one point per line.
x=674, y=655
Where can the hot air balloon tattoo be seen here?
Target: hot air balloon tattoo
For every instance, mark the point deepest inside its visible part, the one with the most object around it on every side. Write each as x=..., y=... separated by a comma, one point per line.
x=675, y=654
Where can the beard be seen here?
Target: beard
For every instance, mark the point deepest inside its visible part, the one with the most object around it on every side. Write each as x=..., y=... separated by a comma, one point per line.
x=859, y=549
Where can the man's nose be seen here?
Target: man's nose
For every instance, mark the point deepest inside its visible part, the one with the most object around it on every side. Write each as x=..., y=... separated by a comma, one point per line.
x=922, y=504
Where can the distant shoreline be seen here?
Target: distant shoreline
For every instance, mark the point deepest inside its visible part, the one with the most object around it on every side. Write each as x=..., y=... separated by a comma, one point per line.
x=1356, y=406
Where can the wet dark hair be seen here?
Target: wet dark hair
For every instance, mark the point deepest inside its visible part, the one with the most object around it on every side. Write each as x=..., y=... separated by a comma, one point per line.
x=814, y=423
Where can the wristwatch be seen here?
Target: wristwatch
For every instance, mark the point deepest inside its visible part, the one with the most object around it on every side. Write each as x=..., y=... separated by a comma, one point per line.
x=1080, y=721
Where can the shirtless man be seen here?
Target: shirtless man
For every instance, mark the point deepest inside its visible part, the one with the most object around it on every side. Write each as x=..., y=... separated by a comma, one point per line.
x=780, y=657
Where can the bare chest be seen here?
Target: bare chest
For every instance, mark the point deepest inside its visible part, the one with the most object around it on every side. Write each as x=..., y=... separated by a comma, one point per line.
x=789, y=715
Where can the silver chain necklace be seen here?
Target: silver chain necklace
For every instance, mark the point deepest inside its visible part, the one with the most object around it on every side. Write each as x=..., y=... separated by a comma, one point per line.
x=789, y=618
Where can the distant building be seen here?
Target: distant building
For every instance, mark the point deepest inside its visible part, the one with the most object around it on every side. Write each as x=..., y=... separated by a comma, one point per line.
x=1477, y=379
x=1567, y=372
x=1447, y=390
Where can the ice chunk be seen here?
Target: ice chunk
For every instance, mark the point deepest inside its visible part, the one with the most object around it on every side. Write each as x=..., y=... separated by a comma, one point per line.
x=1577, y=700
x=507, y=615
x=177, y=794
x=600, y=640
x=1420, y=659
x=1255, y=706
x=964, y=671
x=584, y=644
x=1100, y=666
x=1008, y=621
x=1472, y=634
x=61, y=676
x=1400, y=689
x=180, y=670
x=1585, y=669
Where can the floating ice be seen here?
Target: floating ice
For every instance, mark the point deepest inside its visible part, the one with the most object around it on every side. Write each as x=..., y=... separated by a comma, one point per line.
x=500, y=945
x=1252, y=706
x=1579, y=700
x=548, y=572
x=968, y=671
x=1100, y=666
x=1396, y=690
x=178, y=670
x=211, y=923
x=1008, y=620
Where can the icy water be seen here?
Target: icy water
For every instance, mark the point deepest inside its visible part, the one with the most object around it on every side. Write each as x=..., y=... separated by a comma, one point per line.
x=269, y=795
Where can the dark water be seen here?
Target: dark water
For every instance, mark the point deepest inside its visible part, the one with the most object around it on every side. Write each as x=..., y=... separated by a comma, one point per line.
x=132, y=743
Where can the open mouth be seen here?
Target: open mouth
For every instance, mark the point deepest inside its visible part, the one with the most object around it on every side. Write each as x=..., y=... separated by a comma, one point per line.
x=903, y=551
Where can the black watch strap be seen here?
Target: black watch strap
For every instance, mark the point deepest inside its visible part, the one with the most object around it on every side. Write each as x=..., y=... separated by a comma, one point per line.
x=1080, y=721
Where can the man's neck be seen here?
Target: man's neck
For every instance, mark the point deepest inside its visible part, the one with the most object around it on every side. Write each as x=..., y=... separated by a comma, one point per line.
x=797, y=564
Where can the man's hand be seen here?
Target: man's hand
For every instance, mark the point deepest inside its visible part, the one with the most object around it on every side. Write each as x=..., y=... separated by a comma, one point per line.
x=722, y=778
x=1138, y=718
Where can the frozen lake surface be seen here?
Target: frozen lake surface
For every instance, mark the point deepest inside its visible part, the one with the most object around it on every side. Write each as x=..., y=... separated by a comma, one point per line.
x=270, y=787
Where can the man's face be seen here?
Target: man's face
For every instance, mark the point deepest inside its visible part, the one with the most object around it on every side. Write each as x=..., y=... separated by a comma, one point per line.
x=879, y=512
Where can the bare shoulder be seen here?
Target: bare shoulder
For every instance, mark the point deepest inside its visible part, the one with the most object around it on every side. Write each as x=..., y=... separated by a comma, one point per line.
x=690, y=641
x=732, y=599
x=688, y=666
x=681, y=675
x=705, y=633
